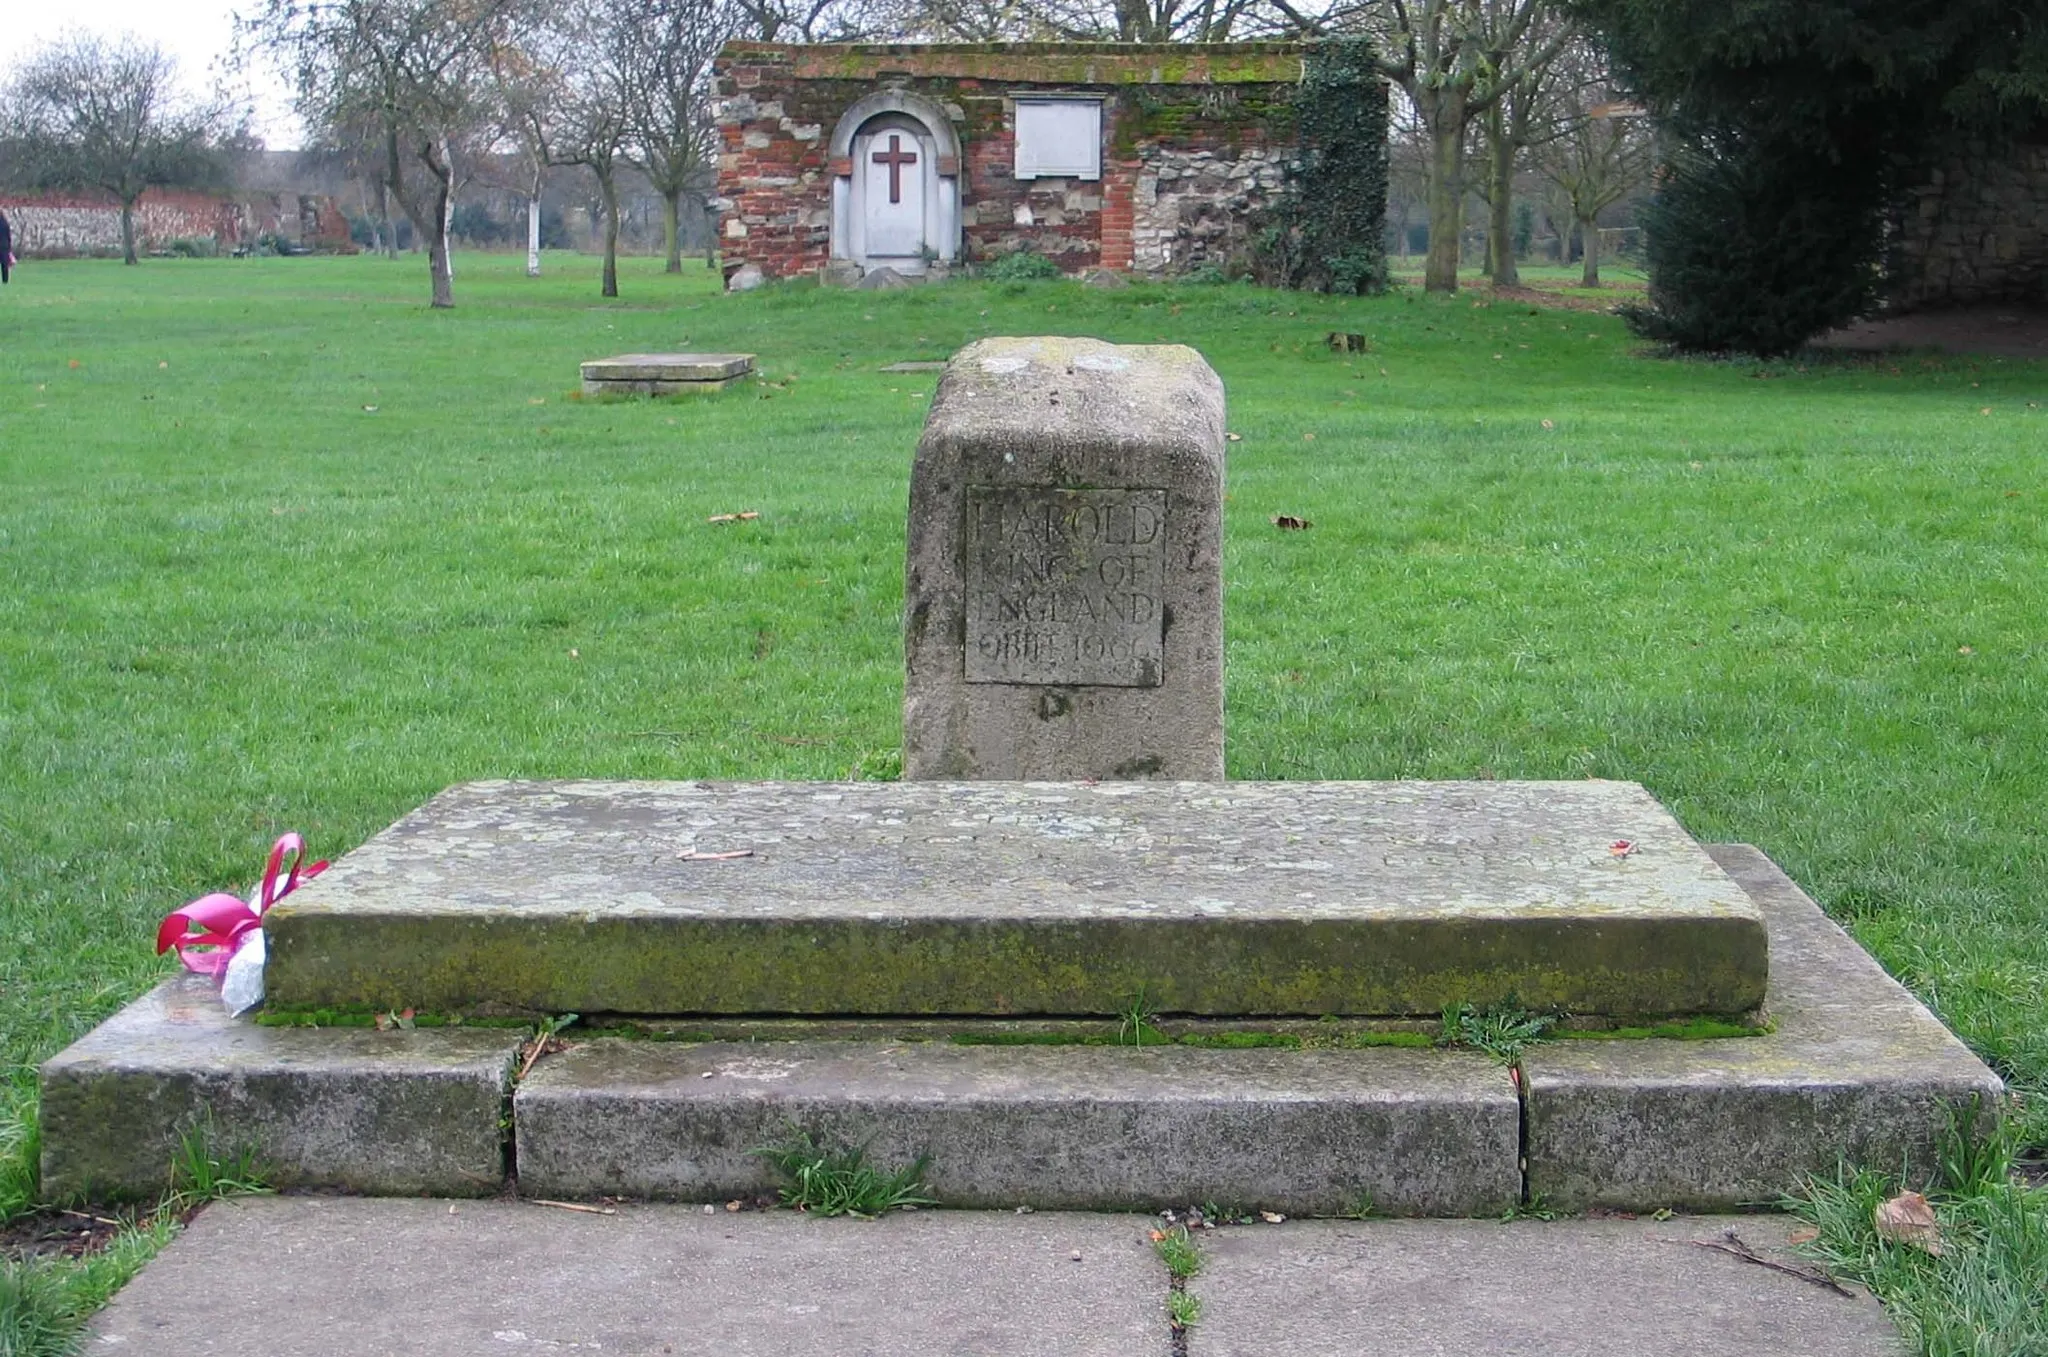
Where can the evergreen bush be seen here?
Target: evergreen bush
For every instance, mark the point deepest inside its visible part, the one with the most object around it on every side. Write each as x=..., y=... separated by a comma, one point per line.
x=1755, y=247
x=1326, y=229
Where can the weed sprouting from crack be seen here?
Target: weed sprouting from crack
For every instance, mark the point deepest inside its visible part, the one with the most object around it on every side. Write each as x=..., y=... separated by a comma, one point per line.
x=1137, y=1022
x=1183, y=1310
x=837, y=1180
x=1178, y=1252
x=201, y=1173
x=1503, y=1031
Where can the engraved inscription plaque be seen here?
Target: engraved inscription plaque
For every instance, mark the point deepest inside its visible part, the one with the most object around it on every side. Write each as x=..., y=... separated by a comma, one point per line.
x=1063, y=586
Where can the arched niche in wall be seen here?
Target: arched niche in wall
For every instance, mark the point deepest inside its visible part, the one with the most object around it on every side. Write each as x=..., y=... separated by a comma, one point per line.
x=896, y=183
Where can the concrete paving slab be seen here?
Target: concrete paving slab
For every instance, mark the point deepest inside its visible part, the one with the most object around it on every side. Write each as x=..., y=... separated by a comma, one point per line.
x=369, y=1111
x=1856, y=1069
x=1023, y=898
x=1416, y=1131
x=314, y=1277
x=1580, y=1288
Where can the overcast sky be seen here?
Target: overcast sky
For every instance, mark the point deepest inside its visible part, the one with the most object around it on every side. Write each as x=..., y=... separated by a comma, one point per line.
x=199, y=33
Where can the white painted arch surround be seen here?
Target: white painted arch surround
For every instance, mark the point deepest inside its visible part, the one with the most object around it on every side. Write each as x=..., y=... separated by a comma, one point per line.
x=899, y=111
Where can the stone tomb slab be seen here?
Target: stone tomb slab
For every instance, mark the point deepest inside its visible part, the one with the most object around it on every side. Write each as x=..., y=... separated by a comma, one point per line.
x=1023, y=898
x=665, y=374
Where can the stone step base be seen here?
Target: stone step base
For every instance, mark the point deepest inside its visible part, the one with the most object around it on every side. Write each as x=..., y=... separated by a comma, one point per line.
x=1412, y=1132
x=1855, y=1069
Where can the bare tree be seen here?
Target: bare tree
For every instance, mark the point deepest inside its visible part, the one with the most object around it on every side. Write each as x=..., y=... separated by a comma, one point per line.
x=819, y=20
x=417, y=72
x=1454, y=59
x=531, y=99
x=671, y=137
x=88, y=112
x=597, y=54
x=1603, y=153
x=1526, y=114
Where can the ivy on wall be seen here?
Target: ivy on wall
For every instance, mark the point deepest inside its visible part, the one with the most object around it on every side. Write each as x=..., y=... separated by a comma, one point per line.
x=1326, y=228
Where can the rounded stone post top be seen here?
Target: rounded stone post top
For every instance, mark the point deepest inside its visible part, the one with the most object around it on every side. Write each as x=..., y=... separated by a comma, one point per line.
x=1063, y=603
x=1048, y=390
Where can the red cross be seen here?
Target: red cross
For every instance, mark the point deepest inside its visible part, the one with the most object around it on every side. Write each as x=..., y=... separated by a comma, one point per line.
x=895, y=158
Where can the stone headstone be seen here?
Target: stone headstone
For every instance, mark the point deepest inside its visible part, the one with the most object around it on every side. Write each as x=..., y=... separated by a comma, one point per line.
x=876, y=280
x=746, y=278
x=1064, y=599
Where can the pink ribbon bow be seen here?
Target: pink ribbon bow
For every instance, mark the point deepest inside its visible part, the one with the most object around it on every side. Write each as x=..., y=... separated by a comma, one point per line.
x=207, y=931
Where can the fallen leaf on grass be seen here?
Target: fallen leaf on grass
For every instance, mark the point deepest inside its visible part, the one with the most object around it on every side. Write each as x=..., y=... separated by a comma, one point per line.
x=1289, y=523
x=1908, y=1219
x=747, y=517
x=369, y=409
x=1235, y=437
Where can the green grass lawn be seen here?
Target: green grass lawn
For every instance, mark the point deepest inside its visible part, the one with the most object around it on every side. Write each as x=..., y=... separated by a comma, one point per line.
x=280, y=548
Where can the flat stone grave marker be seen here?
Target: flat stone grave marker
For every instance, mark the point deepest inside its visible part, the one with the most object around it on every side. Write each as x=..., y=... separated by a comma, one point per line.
x=665, y=374
x=1064, y=594
x=1240, y=898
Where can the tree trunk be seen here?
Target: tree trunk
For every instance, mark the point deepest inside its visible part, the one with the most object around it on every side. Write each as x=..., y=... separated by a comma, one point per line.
x=1500, y=230
x=533, y=237
x=437, y=249
x=1589, y=233
x=390, y=245
x=611, y=233
x=1444, y=111
x=672, y=230
x=127, y=231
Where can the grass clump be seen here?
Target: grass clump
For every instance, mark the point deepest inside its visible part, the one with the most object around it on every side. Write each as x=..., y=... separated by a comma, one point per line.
x=838, y=1180
x=45, y=1301
x=1183, y=1309
x=1137, y=1024
x=202, y=1173
x=1983, y=1295
x=1177, y=1250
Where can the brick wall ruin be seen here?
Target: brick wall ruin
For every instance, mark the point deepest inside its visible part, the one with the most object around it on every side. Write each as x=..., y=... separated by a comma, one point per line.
x=1974, y=229
x=1195, y=140
x=54, y=225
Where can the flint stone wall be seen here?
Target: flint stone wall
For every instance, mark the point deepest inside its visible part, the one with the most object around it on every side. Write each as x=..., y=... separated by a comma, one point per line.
x=1974, y=230
x=1197, y=207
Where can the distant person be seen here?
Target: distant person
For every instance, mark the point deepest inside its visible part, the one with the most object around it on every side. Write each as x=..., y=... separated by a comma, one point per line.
x=6, y=248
